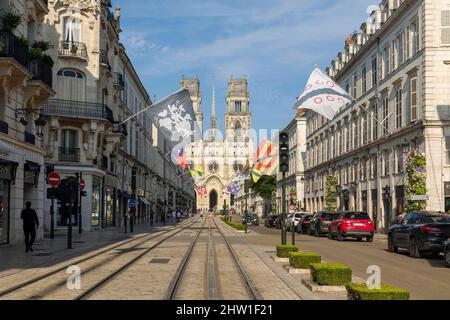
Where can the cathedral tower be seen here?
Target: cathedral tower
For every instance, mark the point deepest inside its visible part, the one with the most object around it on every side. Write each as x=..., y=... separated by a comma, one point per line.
x=238, y=116
x=193, y=85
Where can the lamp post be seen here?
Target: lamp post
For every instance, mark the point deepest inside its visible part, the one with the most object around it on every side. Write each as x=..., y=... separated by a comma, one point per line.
x=133, y=196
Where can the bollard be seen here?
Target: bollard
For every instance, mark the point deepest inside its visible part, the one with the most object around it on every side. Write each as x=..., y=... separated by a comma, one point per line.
x=293, y=232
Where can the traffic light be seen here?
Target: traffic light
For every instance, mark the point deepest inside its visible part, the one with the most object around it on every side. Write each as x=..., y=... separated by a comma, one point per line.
x=284, y=152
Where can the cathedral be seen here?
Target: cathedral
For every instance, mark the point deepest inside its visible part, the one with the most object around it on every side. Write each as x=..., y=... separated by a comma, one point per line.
x=222, y=155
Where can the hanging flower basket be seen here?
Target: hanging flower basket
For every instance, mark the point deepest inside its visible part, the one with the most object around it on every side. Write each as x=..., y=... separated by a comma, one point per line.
x=415, y=180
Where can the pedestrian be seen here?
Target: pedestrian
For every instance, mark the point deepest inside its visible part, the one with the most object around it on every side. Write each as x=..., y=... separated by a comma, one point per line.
x=30, y=222
x=178, y=216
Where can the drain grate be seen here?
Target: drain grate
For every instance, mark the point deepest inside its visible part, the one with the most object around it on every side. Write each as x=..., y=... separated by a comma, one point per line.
x=160, y=261
x=42, y=254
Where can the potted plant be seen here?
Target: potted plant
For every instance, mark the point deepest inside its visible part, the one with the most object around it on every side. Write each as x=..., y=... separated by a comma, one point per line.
x=11, y=21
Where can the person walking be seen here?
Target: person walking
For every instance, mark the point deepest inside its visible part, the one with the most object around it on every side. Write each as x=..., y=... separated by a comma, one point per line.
x=30, y=223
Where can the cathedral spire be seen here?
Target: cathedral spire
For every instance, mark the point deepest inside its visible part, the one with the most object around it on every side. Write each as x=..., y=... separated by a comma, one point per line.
x=213, y=123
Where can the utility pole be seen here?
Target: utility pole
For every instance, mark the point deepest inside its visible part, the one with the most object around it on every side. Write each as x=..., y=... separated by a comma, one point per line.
x=164, y=183
x=246, y=189
x=284, y=168
x=283, y=210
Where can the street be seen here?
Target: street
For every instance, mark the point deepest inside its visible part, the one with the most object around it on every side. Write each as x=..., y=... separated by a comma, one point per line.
x=425, y=278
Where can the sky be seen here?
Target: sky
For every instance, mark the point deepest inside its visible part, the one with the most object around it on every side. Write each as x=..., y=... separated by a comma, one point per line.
x=275, y=44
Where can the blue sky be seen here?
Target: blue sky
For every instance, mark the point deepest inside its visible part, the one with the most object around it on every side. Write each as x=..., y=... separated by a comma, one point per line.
x=274, y=43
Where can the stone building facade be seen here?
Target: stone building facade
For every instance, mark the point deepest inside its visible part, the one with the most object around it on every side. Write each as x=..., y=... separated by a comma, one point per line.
x=397, y=70
x=25, y=85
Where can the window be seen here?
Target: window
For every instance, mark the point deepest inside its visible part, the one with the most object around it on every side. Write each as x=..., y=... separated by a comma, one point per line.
x=347, y=137
x=364, y=128
x=374, y=166
x=347, y=87
x=398, y=107
x=445, y=27
x=356, y=133
x=69, y=138
x=385, y=115
x=374, y=72
x=375, y=121
x=70, y=85
x=400, y=159
x=237, y=106
x=414, y=34
x=393, y=56
x=386, y=62
x=354, y=85
x=364, y=80
x=413, y=98
x=400, y=48
x=386, y=162
x=71, y=29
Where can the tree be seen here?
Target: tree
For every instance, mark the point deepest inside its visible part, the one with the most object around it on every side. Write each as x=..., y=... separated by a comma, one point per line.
x=331, y=198
x=415, y=180
x=265, y=188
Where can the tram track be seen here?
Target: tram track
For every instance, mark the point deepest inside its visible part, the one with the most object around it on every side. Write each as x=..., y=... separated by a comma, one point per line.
x=110, y=254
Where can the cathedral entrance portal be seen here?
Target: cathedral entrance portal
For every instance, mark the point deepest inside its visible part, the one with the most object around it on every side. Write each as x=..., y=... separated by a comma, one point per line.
x=213, y=200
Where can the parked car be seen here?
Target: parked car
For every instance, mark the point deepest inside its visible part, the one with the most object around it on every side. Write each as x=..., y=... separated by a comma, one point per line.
x=320, y=223
x=447, y=254
x=252, y=219
x=269, y=222
x=295, y=218
x=352, y=224
x=421, y=232
x=303, y=224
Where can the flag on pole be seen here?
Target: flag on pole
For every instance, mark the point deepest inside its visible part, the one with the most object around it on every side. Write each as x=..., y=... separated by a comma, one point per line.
x=182, y=159
x=234, y=188
x=175, y=118
x=197, y=172
x=245, y=173
x=323, y=95
x=266, y=161
x=202, y=191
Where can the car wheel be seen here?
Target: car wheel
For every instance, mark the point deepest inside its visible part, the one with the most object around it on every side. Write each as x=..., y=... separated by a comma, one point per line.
x=310, y=231
x=340, y=237
x=414, y=251
x=447, y=257
x=330, y=235
x=435, y=254
x=391, y=247
x=359, y=239
x=369, y=239
x=316, y=232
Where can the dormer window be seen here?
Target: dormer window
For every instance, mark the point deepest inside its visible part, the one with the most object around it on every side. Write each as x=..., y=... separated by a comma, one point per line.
x=238, y=106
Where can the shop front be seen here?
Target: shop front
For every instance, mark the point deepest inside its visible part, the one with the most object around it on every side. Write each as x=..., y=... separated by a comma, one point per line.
x=8, y=171
x=96, y=202
x=400, y=196
x=374, y=200
x=447, y=196
x=110, y=202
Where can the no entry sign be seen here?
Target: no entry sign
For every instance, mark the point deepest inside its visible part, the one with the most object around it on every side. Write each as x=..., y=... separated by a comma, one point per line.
x=54, y=179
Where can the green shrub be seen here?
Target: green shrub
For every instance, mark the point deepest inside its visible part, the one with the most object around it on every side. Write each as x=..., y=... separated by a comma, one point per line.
x=11, y=21
x=35, y=54
x=302, y=260
x=232, y=224
x=43, y=45
x=331, y=274
x=48, y=60
x=25, y=41
x=359, y=291
x=283, y=250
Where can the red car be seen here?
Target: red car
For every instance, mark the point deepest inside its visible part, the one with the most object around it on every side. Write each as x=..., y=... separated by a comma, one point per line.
x=352, y=225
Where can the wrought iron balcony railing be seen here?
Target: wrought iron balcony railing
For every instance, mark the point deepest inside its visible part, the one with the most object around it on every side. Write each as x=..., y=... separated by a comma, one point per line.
x=30, y=138
x=11, y=46
x=104, y=61
x=41, y=71
x=72, y=48
x=118, y=80
x=78, y=109
x=69, y=154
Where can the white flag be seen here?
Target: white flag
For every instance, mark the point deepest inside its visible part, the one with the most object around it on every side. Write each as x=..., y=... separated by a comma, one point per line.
x=323, y=95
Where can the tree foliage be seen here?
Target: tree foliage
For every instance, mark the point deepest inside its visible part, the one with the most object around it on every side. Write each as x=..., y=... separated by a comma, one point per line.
x=331, y=198
x=415, y=180
x=264, y=188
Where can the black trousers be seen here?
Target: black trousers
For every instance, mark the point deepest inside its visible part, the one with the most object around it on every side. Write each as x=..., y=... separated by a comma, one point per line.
x=30, y=236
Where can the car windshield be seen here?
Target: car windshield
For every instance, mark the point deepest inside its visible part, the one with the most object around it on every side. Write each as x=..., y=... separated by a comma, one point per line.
x=329, y=215
x=433, y=219
x=307, y=218
x=356, y=215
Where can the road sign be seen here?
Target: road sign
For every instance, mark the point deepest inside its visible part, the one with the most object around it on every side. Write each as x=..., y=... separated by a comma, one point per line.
x=54, y=179
x=420, y=198
x=132, y=203
x=82, y=184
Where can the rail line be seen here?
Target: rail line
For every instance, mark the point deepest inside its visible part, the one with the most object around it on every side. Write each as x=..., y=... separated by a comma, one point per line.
x=49, y=289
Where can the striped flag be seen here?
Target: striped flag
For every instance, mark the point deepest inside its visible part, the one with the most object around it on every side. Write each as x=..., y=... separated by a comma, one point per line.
x=323, y=95
x=266, y=161
x=182, y=159
x=197, y=172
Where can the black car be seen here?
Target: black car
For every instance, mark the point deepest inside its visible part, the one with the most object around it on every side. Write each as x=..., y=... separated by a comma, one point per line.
x=320, y=223
x=269, y=222
x=252, y=220
x=421, y=232
x=303, y=224
x=447, y=253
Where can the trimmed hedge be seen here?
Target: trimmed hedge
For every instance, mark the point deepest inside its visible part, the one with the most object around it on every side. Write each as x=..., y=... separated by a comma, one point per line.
x=359, y=291
x=235, y=225
x=331, y=274
x=302, y=260
x=283, y=250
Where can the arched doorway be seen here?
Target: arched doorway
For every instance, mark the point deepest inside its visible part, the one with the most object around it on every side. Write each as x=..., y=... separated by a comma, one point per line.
x=213, y=200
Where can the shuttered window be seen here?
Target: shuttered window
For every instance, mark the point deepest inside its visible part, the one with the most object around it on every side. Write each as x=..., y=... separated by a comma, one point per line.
x=445, y=27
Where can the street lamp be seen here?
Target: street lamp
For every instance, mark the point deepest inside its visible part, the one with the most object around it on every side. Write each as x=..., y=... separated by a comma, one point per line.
x=40, y=123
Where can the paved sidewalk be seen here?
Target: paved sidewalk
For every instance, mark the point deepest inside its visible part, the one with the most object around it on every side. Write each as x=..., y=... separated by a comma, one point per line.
x=48, y=252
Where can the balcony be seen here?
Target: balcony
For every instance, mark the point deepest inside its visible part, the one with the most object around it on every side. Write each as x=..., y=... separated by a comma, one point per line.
x=30, y=138
x=118, y=80
x=72, y=49
x=78, y=110
x=4, y=127
x=69, y=154
x=104, y=61
x=11, y=46
x=41, y=71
